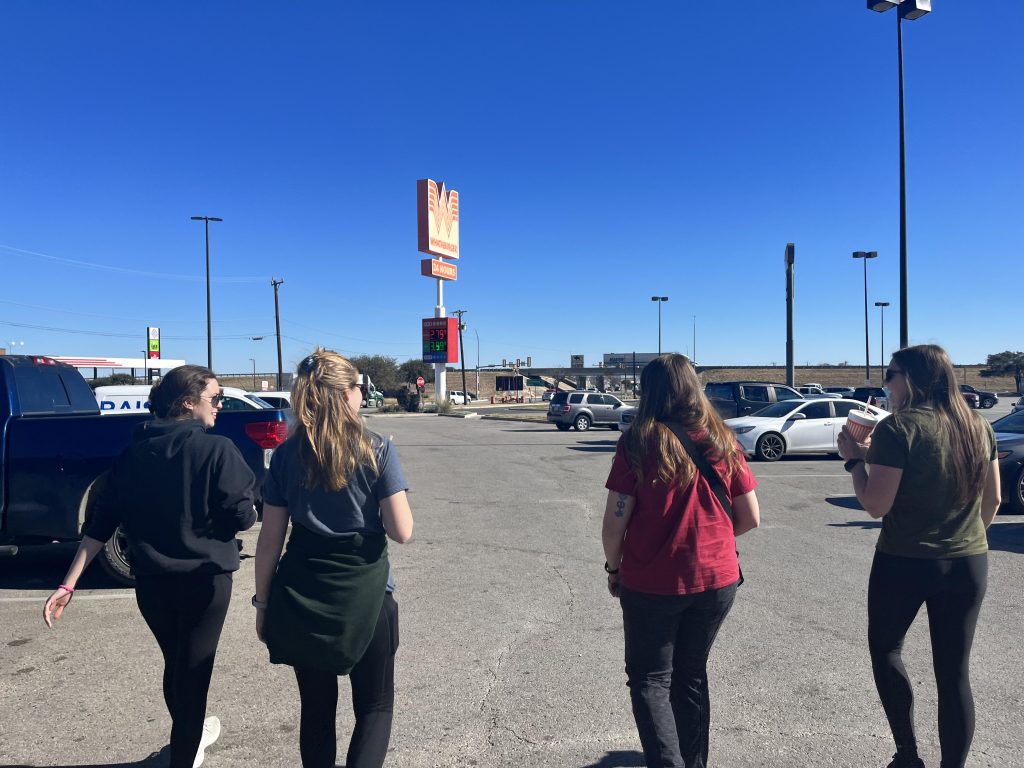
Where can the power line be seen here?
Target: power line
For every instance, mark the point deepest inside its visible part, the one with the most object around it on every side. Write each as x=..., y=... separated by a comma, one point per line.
x=111, y=334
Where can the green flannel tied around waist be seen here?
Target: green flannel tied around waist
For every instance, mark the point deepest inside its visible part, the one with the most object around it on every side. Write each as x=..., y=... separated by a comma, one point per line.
x=325, y=600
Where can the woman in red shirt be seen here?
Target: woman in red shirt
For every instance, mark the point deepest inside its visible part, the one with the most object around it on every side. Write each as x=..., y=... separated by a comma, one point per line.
x=670, y=550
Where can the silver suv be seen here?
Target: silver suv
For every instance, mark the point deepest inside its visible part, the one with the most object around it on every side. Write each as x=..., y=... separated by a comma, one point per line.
x=583, y=409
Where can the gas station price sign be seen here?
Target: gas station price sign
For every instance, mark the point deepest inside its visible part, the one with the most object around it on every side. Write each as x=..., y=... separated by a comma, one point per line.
x=440, y=340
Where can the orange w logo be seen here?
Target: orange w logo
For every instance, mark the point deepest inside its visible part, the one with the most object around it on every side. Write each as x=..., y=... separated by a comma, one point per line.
x=445, y=208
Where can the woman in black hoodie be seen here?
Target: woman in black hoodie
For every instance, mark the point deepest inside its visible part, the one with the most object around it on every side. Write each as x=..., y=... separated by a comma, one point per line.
x=181, y=495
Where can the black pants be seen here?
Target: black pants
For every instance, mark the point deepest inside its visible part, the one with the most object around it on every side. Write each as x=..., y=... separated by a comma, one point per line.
x=373, y=702
x=952, y=589
x=668, y=640
x=186, y=615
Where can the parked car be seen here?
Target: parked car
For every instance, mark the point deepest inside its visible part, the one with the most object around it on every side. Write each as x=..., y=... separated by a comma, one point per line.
x=55, y=442
x=814, y=392
x=795, y=426
x=740, y=398
x=582, y=409
x=985, y=399
x=871, y=396
x=458, y=397
x=841, y=391
x=1010, y=449
x=275, y=399
x=972, y=399
x=135, y=398
x=1018, y=406
x=548, y=394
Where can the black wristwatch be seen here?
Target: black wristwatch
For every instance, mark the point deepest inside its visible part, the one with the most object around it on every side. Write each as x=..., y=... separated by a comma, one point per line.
x=851, y=463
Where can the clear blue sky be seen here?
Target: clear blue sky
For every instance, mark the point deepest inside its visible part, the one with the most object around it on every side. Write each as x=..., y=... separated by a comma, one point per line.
x=604, y=153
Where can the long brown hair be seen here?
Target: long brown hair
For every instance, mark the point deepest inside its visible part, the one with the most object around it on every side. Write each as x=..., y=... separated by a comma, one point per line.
x=186, y=382
x=332, y=441
x=931, y=381
x=671, y=391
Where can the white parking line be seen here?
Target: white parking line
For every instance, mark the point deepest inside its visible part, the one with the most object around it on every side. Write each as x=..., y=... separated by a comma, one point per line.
x=110, y=596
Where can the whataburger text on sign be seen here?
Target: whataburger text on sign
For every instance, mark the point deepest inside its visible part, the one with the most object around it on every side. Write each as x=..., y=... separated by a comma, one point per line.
x=438, y=268
x=437, y=215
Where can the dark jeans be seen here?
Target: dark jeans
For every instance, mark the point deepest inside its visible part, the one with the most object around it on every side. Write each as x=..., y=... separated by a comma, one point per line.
x=668, y=640
x=186, y=614
x=373, y=702
x=952, y=589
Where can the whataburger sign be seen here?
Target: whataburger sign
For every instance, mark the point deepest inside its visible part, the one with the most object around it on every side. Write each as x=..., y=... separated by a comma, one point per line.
x=437, y=219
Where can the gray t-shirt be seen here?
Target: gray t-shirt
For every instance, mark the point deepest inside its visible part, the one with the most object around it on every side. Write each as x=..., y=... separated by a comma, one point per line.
x=354, y=509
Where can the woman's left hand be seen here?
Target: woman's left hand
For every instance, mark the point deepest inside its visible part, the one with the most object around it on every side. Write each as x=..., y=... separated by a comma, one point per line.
x=613, y=584
x=261, y=617
x=850, y=448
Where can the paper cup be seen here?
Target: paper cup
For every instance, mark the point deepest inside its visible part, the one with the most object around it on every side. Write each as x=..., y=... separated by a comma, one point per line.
x=860, y=424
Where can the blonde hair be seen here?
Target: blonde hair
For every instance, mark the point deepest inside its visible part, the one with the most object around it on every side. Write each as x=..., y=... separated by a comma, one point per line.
x=671, y=391
x=332, y=441
x=931, y=381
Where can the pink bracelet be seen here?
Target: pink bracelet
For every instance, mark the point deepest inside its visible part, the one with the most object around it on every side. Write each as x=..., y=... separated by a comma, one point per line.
x=66, y=588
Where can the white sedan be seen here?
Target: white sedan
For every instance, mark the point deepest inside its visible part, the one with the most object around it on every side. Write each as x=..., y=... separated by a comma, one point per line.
x=795, y=426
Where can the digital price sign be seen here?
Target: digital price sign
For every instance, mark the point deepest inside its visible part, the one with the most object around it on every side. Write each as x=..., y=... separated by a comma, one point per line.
x=440, y=340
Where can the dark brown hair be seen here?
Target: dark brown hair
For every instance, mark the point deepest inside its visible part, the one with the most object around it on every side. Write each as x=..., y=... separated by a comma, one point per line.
x=186, y=382
x=931, y=381
x=671, y=391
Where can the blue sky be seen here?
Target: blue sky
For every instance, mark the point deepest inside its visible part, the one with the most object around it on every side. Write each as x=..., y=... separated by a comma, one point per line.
x=603, y=152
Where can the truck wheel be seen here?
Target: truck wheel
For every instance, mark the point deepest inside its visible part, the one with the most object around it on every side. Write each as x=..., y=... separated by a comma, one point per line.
x=770, y=447
x=115, y=561
x=582, y=423
x=988, y=402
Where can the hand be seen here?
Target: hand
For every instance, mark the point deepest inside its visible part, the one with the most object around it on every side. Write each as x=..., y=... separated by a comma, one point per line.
x=613, y=584
x=55, y=606
x=261, y=616
x=850, y=448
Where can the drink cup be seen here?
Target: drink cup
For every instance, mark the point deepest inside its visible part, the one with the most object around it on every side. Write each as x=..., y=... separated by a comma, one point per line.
x=860, y=424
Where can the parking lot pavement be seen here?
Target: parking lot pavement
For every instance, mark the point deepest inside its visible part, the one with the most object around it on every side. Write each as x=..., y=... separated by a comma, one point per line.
x=511, y=649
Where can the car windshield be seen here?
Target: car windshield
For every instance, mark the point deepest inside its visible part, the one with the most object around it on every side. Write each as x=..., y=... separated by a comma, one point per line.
x=1012, y=423
x=779, y=409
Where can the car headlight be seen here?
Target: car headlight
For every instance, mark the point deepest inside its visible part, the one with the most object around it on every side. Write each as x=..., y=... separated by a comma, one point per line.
x=741, y=430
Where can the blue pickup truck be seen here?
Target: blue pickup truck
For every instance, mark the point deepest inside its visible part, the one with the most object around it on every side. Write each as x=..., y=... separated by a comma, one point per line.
x=54, y=444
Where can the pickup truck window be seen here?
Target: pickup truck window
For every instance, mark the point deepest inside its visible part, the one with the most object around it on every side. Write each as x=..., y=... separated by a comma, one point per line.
x=720, y=391
x=781, y=393
x=755, y=394
x=42, y=389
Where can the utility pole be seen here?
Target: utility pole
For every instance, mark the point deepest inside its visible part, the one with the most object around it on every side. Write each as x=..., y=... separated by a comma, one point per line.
x=462, y=355
x=209, y=321
x=277, y=323
x=790, y=290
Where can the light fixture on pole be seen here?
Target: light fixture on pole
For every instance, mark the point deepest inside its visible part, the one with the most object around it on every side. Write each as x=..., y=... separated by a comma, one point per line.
x=881, y=307
x=209, y=322
x=867, y=362
x=909, y=10
x=659, y=299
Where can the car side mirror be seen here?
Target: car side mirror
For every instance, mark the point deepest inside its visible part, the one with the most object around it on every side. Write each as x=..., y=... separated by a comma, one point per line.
x=797, y=417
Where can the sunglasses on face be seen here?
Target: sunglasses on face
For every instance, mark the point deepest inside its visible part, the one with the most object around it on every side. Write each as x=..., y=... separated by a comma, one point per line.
x=215, y=400
x=892, y=373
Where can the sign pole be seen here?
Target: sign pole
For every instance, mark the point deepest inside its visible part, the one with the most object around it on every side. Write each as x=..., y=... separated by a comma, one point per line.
x=440, y=378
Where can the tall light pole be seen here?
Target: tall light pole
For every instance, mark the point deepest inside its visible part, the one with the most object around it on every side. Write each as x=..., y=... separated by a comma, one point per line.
x=477, y=362
x=867, y=361
x=909, y=10
x=253, y=361
x=277, y=325
x=659, y=299
x=209, y=322
x=881, y=360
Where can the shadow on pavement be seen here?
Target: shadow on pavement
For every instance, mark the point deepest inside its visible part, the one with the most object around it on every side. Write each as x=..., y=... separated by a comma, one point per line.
x=867, y=525
x=1006, y=537
x=154, y=760
x=616, y=759
x=592, y=448
x=42, y=567
x=846, y=502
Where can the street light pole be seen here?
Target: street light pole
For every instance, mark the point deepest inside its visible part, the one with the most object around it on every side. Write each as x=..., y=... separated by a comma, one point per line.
x=209, y=322
x=659, y=299
x=881, y=364
x=867, y=359
x=477, y=362
x=253, y=361
x=909, y=10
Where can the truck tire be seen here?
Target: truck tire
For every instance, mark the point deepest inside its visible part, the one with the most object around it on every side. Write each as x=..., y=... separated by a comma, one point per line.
x=770, y=447
x=988, y=402
x=114, y=559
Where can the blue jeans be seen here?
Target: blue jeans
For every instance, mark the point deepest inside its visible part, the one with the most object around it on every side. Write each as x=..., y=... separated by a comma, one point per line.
x=668, y=640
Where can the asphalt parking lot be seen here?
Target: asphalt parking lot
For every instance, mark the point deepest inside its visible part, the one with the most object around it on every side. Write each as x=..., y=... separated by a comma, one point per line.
x=511, y=648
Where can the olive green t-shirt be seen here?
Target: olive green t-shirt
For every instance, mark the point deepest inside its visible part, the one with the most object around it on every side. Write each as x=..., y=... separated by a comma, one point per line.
x=924, y=520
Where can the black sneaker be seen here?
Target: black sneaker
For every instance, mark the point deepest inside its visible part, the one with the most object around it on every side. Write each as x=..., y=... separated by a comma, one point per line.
x=903, y=760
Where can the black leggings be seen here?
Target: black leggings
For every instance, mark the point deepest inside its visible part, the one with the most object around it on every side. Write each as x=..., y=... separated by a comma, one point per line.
x=952, y=589
x=186, y=614
x=373, y=702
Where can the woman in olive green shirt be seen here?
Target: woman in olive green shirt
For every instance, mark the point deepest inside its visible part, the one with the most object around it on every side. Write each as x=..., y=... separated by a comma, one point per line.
x=930, y=473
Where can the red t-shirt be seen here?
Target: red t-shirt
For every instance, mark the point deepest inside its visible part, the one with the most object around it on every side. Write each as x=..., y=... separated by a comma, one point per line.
x=679, y=541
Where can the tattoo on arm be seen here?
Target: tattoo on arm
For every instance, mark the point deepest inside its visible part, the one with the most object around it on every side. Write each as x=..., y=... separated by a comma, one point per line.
x=620, y=505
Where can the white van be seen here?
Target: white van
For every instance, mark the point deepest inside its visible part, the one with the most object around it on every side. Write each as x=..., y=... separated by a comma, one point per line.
x=135, y=397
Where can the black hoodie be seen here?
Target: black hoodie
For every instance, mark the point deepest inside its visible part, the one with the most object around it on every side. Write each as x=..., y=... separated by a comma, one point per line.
x=180, y=495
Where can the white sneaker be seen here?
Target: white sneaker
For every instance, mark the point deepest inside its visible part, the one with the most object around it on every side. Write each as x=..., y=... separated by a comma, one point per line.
x=211, y=732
